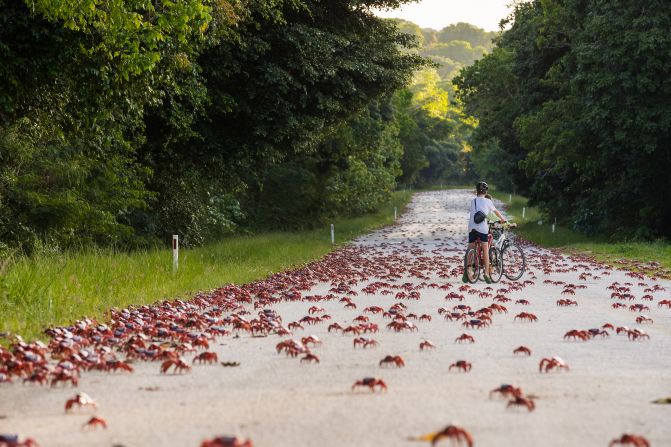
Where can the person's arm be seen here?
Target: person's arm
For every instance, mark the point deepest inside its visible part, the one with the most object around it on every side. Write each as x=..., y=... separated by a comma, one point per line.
x=497, y=213
x=500, y=216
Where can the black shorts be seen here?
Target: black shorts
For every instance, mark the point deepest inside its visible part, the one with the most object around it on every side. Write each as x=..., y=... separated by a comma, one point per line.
x=474, y=234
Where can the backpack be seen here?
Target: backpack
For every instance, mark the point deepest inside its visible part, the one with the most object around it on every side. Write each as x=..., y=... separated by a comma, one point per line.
x=479, y=216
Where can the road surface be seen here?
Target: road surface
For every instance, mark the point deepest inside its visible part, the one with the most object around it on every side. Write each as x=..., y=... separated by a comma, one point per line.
x=278, y=401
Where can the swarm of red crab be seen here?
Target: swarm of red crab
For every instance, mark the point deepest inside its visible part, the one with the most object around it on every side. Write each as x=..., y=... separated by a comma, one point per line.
x=395, y=283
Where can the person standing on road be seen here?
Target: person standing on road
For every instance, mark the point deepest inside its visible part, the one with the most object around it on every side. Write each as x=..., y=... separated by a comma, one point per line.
x=479, y=228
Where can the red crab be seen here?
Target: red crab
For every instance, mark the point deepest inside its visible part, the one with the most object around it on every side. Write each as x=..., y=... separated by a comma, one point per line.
x=295, y=325
x=395, y=359
x=522, y=350
x=95, y=422
x=426, y=344
x=552, y=363
x=315, y=309
x=370, y=382
x=179, y=364
x=206, y=357
x=115, y=365
x=636, y=334
x=639, y=308
x=526, y=316
x=364, y=342
x=475, y=324
x=630, y=440
x=464, y=337
x=310, y=358
x=81, y=400
x=575, y=334
x=227, y=441
x=456, y=434
x=13, y=441
x=311, y=339
x=374, y=309
x=566, y=303
x=335, y=327
x=506, y=390
x=522, y=401
x=498, y=308
x=462, y=365
x=351, y=330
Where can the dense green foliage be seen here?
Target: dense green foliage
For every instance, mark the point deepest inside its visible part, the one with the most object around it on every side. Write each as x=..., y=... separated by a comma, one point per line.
x=124, y=122
x=454, y=47
x=573, y=109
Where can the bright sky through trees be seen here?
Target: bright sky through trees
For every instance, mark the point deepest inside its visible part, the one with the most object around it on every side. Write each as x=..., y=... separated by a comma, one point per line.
x=437, y=14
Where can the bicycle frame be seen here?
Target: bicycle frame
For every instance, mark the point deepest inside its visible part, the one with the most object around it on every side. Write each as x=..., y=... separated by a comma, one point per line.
x=501, y=241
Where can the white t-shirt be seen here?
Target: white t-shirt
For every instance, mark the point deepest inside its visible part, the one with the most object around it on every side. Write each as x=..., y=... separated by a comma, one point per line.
x=486, y=206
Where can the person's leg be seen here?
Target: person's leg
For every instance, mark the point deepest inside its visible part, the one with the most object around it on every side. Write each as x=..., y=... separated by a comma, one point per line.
x=485, y=256
x=471, y=244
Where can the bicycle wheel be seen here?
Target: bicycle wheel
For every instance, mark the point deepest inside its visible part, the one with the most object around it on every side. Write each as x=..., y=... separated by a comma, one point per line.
x=471, y=265
x=496, y=264
x=513, y=261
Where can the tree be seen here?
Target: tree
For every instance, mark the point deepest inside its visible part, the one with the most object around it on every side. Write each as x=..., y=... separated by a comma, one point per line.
x=585, y=121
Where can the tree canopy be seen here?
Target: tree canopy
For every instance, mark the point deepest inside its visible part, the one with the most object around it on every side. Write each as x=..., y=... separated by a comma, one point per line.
x=123, y=122
x=573, y=109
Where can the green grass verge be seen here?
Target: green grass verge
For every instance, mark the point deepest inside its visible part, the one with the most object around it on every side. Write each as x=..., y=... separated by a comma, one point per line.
x=57, y=289
x=653, y=258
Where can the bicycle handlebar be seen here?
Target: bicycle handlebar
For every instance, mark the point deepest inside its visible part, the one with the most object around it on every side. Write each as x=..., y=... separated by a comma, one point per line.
x=503, y=225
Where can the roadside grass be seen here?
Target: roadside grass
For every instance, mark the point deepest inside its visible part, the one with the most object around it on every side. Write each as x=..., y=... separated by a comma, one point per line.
x=653, y=258
x=56, y=289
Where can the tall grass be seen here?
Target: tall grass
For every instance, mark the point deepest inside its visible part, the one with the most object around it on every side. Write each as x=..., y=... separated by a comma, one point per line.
x=58, y=288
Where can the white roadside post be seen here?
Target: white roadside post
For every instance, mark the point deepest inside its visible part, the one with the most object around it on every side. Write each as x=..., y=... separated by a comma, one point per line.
x=554, y=224
x=510, y=198
x=175, y=253
x=394, y=213
x=524, y=211
x=332, y=234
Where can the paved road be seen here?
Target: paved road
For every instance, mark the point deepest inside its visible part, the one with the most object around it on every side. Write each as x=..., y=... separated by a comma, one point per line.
x=277, y=401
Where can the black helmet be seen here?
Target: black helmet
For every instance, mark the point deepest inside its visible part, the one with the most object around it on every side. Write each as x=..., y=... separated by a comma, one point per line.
x=481, y=187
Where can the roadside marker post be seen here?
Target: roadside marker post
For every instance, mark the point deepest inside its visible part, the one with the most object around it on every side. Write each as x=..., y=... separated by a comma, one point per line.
x=510, y=198
x=394, y=213
x=524, y=211
x=332, y=234
x=175, y=253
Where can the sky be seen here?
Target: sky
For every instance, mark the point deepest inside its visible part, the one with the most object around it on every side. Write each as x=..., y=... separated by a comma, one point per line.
x=437, y=14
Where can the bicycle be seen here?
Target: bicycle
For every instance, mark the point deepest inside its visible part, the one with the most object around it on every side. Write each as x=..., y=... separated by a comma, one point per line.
x=473, y=260
x=512, y=256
